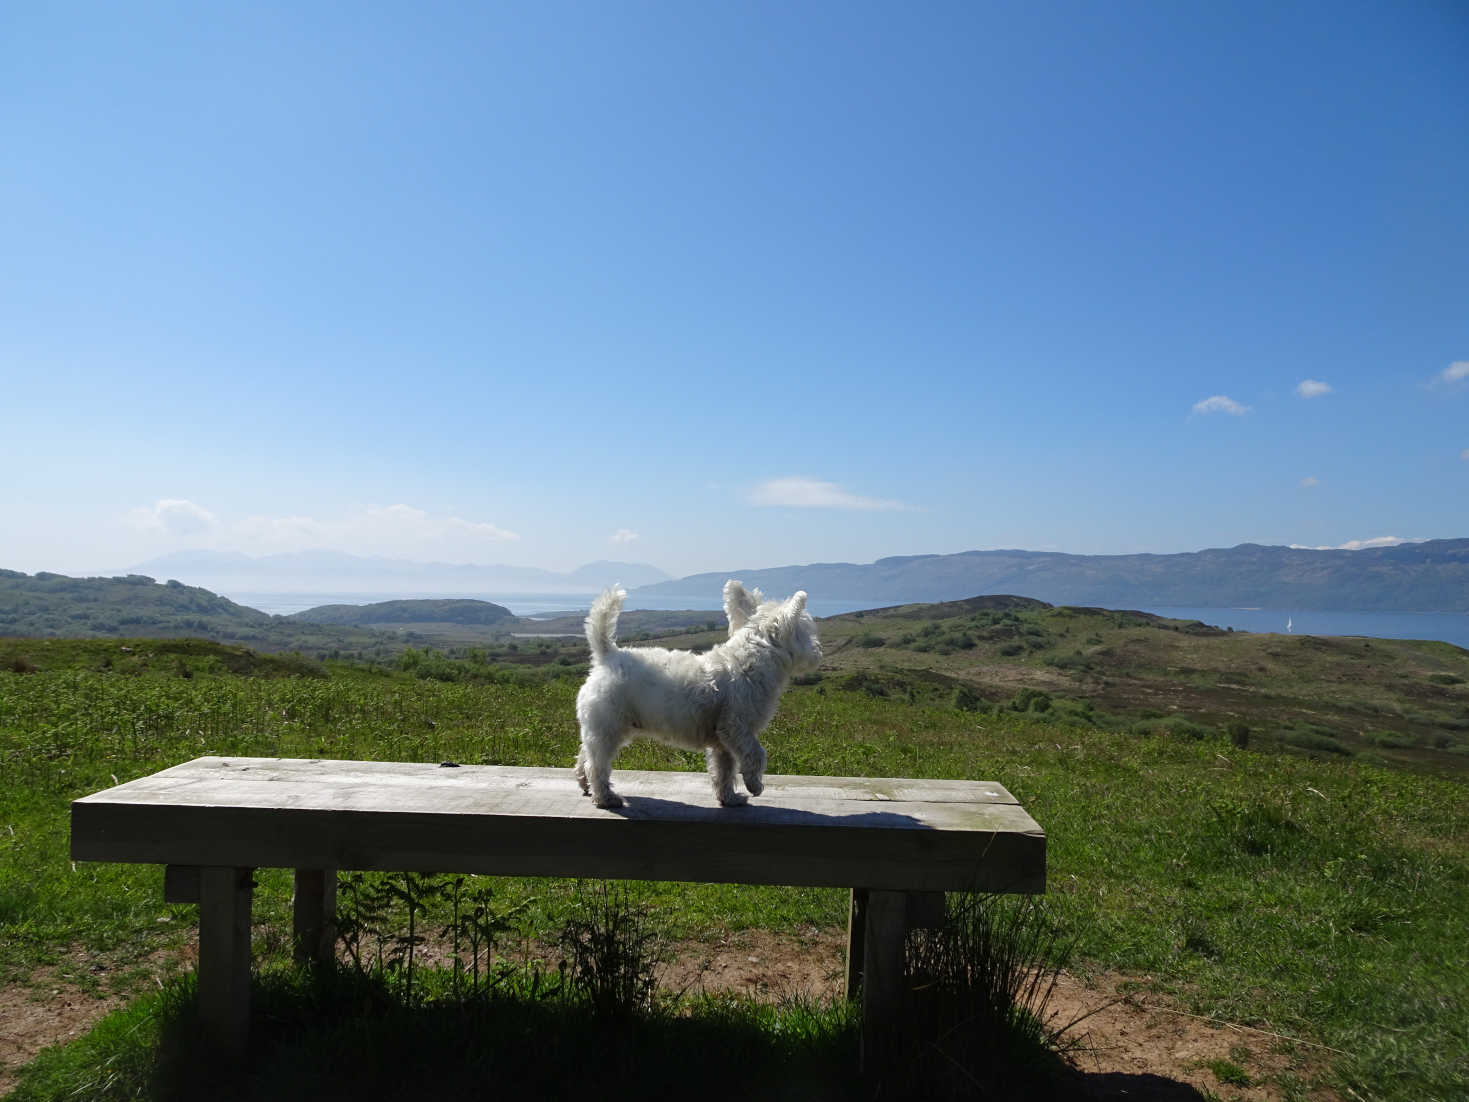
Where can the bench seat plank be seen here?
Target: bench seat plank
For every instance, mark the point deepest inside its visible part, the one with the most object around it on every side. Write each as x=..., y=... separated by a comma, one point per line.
x=882, y=833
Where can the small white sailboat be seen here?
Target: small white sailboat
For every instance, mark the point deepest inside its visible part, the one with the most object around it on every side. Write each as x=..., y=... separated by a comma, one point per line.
x=1288, y=623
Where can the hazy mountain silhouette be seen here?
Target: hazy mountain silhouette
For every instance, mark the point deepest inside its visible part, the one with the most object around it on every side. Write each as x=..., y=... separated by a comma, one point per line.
x=340, y=572
x=1413, y=577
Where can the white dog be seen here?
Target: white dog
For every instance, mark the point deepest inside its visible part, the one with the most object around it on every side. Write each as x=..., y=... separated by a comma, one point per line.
x=717, y=702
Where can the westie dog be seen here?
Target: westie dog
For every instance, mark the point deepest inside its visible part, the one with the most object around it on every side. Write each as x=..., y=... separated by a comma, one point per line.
x=717, y=702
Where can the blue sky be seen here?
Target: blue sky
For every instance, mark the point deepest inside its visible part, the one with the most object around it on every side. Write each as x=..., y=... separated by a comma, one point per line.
x=730, y=285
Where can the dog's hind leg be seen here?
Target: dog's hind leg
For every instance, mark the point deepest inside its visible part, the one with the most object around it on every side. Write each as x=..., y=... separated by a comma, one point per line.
x=721, y=773
x=598, y=748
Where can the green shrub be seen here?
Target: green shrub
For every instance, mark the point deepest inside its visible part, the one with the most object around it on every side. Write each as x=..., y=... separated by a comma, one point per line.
x=1175, y=726
x=967, y=700
x=1390, y=740
x=1316, y=742
x=1073, y=662
x=1031, y=700
x=860, y=682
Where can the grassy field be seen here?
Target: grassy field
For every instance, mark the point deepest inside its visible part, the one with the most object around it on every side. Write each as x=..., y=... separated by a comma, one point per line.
x=1405, y=702
x=1317, y=891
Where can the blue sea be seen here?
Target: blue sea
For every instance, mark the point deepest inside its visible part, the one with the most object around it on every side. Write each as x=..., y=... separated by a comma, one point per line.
x=1450, y=627
x=522, y=604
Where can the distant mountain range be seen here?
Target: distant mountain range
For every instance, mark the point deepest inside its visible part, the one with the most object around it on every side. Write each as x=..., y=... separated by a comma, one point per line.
x=1416, y=577
x=339, y=572
x=136, y=606
x=1413, y=577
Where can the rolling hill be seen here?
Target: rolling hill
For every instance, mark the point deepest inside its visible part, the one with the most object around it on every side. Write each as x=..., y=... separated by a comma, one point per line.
x=383, y=613
x=1416, y=577
x=339, y=572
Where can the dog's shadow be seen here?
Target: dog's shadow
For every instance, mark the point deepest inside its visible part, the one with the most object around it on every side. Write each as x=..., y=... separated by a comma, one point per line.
x=657, y=809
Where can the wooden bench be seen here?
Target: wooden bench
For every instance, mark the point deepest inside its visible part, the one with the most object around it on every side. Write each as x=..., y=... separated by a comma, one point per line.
x=895, y=843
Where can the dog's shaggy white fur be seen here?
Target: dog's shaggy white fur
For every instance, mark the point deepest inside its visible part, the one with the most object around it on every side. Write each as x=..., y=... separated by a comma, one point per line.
x=717, y=702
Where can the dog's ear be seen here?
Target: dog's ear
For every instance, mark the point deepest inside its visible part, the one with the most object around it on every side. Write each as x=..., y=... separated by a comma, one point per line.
x=783, y=620
x=739, y=604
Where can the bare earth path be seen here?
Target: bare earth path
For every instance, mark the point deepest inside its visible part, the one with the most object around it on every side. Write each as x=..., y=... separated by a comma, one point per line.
x=1136, y=1047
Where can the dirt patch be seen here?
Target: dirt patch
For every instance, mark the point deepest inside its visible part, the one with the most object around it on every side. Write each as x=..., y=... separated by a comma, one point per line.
x=760, y=964
x=1132, y=1045
x=1133, y=1038
x=47, y=1010
x=58, y=1003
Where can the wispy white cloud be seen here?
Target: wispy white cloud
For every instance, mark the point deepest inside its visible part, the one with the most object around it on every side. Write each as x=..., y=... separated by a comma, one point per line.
x=1309, y=481
x=810, y=493
x=1457, y=372
x=622, y=536
x=1219, y=403
x=1360, y=545
x=1312, y=388
x=484, y=530
x=367, y=530
x=172, y=516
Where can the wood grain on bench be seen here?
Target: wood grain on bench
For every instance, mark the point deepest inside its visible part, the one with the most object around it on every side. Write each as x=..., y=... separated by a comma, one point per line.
x=908, y=835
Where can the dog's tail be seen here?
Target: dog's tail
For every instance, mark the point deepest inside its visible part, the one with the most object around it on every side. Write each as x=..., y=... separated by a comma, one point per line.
x=602, y=622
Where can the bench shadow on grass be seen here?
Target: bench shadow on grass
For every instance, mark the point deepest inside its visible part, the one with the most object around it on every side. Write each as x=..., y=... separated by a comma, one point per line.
x=321, y=1036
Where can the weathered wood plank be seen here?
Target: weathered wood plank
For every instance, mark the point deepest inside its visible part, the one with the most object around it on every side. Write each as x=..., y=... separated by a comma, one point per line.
x=427, y=778
x=1009, y=858
x=301, y=814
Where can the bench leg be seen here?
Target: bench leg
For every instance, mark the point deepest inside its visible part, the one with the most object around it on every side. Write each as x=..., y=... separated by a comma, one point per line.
x=224, y=958
x=315, y=912
x=885, y=930
x=856, y=941
x=925, y=911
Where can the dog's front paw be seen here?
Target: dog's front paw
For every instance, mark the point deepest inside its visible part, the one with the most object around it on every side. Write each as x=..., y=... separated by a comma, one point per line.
x=612, y=801
x=754, y=783
x=734, y=799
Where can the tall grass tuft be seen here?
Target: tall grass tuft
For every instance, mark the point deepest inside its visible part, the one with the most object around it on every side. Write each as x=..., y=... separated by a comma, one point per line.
x=979, y=1023
x=613, y=948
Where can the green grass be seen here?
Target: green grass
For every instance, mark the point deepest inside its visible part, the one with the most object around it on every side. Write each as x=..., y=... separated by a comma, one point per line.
x=1300, y=694
x=1324, y=899
x=1227, y=1071
x=339, y=1036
